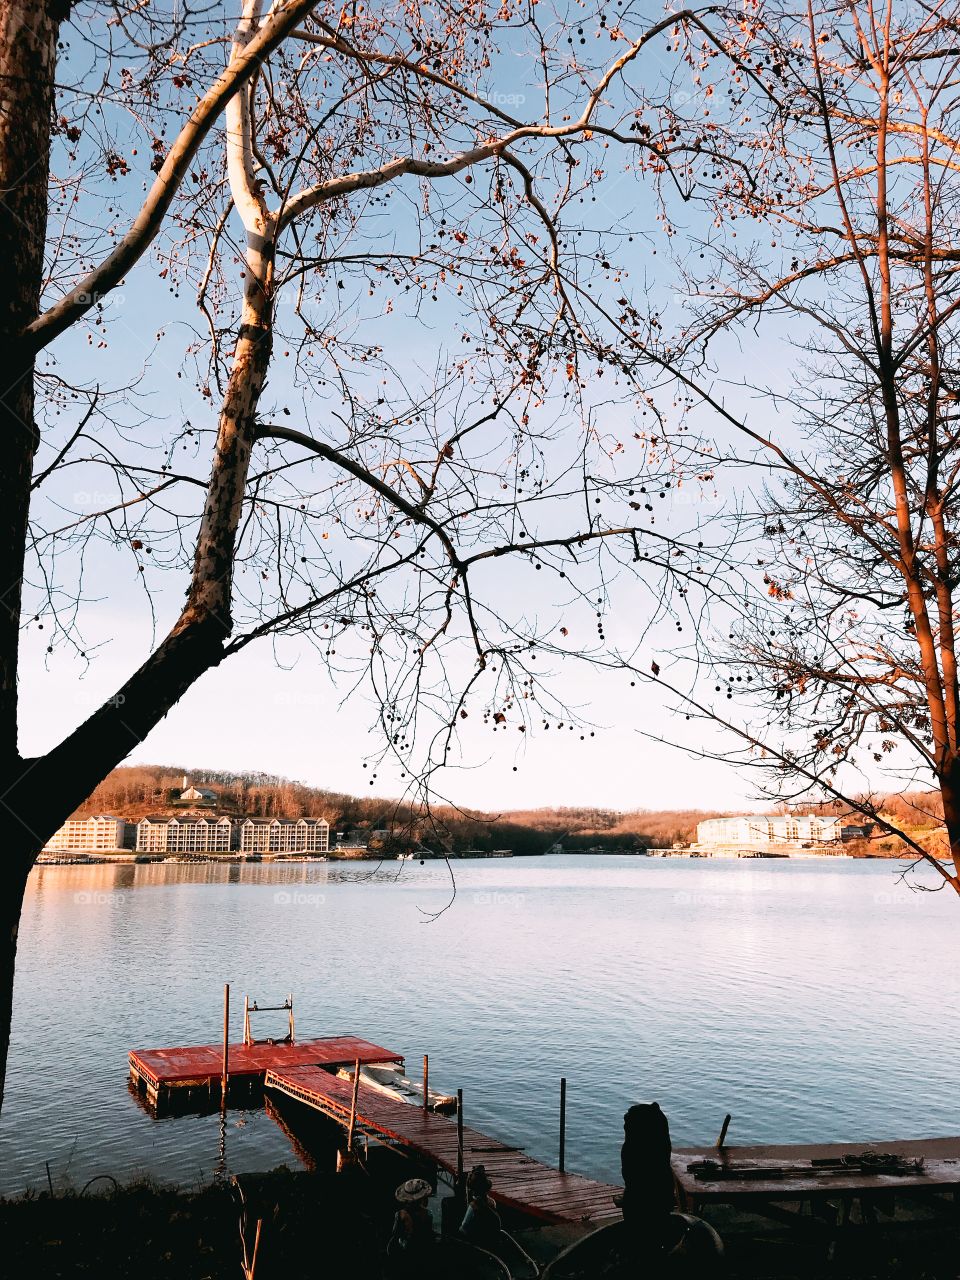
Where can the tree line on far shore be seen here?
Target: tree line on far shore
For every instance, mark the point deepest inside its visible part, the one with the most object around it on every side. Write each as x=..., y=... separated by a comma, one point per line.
x=133, y=790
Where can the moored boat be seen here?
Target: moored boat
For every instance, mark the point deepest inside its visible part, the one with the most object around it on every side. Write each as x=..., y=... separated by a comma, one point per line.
x=388, y=1078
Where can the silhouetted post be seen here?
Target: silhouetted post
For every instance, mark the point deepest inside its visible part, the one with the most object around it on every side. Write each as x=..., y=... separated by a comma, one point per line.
x=226, y=1044
x=723, y=1132
x=353, y=1104
x=459, y=1136
x=563, y=1121
x=426, y=1083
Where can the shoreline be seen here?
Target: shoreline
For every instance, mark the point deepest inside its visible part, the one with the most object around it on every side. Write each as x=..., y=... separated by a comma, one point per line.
x=162, y=1231
x=128, y=857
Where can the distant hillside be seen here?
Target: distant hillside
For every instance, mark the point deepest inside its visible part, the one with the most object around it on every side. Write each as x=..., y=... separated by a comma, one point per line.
x=134, y=790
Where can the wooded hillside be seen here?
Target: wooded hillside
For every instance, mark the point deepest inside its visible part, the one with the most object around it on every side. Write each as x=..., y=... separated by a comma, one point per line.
x=133, y=790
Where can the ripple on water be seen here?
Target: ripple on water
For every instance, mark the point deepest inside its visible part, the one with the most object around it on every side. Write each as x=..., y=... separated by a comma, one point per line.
x=806, y=998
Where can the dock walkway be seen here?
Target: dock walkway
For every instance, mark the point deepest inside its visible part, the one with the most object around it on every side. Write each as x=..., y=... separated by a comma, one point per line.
x=519, y=1181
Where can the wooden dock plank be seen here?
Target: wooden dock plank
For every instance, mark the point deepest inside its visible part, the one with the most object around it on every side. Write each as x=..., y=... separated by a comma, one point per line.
x=941, y=1170
x=168, y=1068
x=519, y=1181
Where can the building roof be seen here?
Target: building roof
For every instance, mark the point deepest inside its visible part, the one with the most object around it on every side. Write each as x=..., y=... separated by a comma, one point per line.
x=281, y=822
x=187, y=817
x=184, y=819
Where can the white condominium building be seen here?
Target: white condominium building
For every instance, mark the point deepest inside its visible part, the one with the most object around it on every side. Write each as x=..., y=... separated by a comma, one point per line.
x=284, y=835
x=192, y=833
x=764, y=829
x=87, y=835
x=184, y=835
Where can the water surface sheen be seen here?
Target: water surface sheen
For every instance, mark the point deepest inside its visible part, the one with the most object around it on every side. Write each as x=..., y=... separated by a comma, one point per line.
x=812, y=999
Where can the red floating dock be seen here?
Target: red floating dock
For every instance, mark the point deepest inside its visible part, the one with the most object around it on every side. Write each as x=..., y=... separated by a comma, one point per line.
x=162, y=1074
x=519, y=1181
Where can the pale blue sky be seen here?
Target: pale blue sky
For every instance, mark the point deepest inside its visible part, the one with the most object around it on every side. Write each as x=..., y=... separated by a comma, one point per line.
x=275, y=708
x=251, y=714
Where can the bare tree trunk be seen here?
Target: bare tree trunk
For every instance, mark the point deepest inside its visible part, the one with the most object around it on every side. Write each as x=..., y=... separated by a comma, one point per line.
x=28, y=47
x=38, y=795
x=950, y=793
x=28, y=50
x=11, y=904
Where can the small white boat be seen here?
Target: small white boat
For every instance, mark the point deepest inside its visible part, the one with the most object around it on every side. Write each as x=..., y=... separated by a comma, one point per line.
x=388, y=1078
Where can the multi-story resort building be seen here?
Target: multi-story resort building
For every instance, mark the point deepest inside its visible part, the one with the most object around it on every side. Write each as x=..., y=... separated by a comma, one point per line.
x=758, y=831
x=192, y=832
x=281, y=835
x=186, y=834
x=90, y=835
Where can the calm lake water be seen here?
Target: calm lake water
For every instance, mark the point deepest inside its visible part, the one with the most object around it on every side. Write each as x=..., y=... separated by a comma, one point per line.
x=812, y=999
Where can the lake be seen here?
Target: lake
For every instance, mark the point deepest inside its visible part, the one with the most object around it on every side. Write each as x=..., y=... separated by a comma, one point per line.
x=812, y=999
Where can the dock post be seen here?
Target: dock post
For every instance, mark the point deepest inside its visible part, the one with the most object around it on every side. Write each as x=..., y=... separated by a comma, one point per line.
x=563, y=1122
x=459, y=1136
x=246, y=1019
x=353, y=1105
x=426, y=1083
x=224, y=1078
x=723, y=1132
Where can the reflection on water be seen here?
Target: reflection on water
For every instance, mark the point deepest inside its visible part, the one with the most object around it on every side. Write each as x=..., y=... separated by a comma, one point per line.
x=810, y=999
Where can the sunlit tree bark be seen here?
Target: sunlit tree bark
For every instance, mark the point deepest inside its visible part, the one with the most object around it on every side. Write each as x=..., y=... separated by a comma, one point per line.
x=846, y=639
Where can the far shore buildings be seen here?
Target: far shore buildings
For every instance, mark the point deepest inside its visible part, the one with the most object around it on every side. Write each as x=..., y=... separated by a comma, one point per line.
x=204, y=797
x=198, y=834
x=760, y=831
x=192, y=832
x=103, y=833
x=279, y=835
x=184, y=835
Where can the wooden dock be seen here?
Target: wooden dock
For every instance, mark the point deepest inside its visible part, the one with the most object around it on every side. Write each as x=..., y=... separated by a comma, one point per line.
x=190, y=1073
x=760, y=1177
x=519, y=1182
